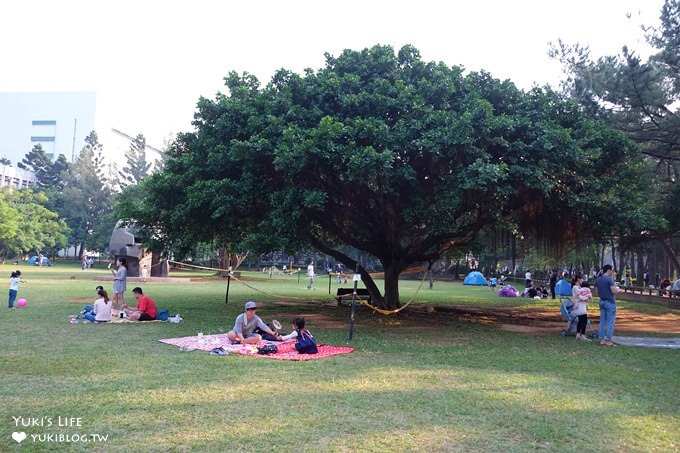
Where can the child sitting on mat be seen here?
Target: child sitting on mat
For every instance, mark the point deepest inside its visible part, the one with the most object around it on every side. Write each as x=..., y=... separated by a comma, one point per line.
x=306, y=343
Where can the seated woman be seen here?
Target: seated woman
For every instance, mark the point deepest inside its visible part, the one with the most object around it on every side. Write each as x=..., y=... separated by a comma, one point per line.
x=102, y=307
x=306, y=343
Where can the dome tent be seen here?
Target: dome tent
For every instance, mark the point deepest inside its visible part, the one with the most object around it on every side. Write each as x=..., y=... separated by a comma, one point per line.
x=475, y=278
x=563, y=288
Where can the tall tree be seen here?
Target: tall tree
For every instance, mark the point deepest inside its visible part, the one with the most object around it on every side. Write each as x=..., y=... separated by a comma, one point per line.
x=639, y=98
x=136, y=167
x=87, y=197
x=390, y=155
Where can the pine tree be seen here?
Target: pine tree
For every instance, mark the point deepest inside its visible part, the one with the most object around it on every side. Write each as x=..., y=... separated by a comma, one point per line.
x=136, y=167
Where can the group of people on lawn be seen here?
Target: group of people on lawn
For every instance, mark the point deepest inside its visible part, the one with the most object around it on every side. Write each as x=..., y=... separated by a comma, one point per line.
x=104, y=308
x=248, y=328
x=581, y=294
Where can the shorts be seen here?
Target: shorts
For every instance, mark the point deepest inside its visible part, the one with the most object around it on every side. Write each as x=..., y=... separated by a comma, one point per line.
x=248, y=335
x=145, y=317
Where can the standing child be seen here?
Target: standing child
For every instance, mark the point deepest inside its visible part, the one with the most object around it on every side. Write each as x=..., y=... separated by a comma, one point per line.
x=581, y=310
x=144, y=273
x=14, y=280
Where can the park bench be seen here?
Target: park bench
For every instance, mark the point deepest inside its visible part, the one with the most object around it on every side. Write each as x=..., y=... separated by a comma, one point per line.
x=225, y=274
x=346, y=294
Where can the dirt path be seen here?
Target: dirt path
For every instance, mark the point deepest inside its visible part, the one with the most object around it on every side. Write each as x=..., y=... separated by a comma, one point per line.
x=548, y=320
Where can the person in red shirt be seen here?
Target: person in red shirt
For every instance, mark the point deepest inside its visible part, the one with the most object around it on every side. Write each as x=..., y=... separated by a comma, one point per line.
x=146, y=308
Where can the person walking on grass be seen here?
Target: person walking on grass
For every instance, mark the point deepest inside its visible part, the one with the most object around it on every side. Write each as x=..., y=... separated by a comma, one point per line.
x=606, y=290
x=310, y=274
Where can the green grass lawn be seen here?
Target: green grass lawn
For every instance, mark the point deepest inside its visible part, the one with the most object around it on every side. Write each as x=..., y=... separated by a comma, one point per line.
x=413, y=383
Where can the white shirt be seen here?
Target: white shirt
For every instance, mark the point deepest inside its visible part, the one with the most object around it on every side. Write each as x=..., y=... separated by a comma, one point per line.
x=102, y=310
x=14, y=283
x=527, y=276
x=290, y=336
x=310, y=271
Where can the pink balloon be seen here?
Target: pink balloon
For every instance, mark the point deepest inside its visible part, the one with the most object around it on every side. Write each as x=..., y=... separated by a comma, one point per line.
x=21, y=303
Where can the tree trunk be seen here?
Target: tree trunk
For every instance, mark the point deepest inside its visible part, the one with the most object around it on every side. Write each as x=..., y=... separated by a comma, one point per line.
x=672, y=257
x=223, y=257
x=391, y=299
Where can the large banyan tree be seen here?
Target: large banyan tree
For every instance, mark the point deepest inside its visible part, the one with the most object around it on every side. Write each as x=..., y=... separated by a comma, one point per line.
x=391, y=155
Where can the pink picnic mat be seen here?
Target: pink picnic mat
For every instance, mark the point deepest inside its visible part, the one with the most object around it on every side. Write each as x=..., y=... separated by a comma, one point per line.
x=286, y=349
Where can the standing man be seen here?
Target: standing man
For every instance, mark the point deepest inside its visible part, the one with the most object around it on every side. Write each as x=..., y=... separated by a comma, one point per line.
x=310, y=274
x=606, y=289
x=527, y=276
x=553, y=283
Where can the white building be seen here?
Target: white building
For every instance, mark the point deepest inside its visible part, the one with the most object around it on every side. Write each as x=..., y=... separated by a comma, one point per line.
x=59, y=122
x=16, y=177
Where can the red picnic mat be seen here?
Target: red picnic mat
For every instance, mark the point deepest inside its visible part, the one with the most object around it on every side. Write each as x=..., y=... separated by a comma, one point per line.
x=286, y=349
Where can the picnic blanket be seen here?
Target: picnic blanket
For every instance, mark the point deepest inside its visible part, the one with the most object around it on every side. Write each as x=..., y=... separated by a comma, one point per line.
x=286, y=349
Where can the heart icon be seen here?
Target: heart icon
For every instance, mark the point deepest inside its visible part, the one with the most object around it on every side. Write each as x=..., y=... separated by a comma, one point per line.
x=19, y=436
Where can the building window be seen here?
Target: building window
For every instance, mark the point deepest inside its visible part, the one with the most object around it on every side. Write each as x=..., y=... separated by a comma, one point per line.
x=42, y=139
x=44, y=122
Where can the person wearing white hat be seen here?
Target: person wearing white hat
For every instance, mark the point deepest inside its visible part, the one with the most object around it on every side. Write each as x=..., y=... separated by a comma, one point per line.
x=245, y=325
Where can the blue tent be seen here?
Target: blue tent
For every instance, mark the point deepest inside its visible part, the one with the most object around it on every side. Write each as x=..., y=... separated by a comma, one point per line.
x=34, y=261
x=475, y=278
x=563, y=288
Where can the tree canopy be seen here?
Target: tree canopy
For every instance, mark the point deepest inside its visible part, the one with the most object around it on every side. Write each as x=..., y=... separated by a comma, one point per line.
x=392, y=155
x=28, y=226
x=639, y=98
x=48, y=173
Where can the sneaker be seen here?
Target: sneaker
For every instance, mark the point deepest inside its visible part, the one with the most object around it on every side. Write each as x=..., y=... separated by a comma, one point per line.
x=584, y=338
x=219, y=351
